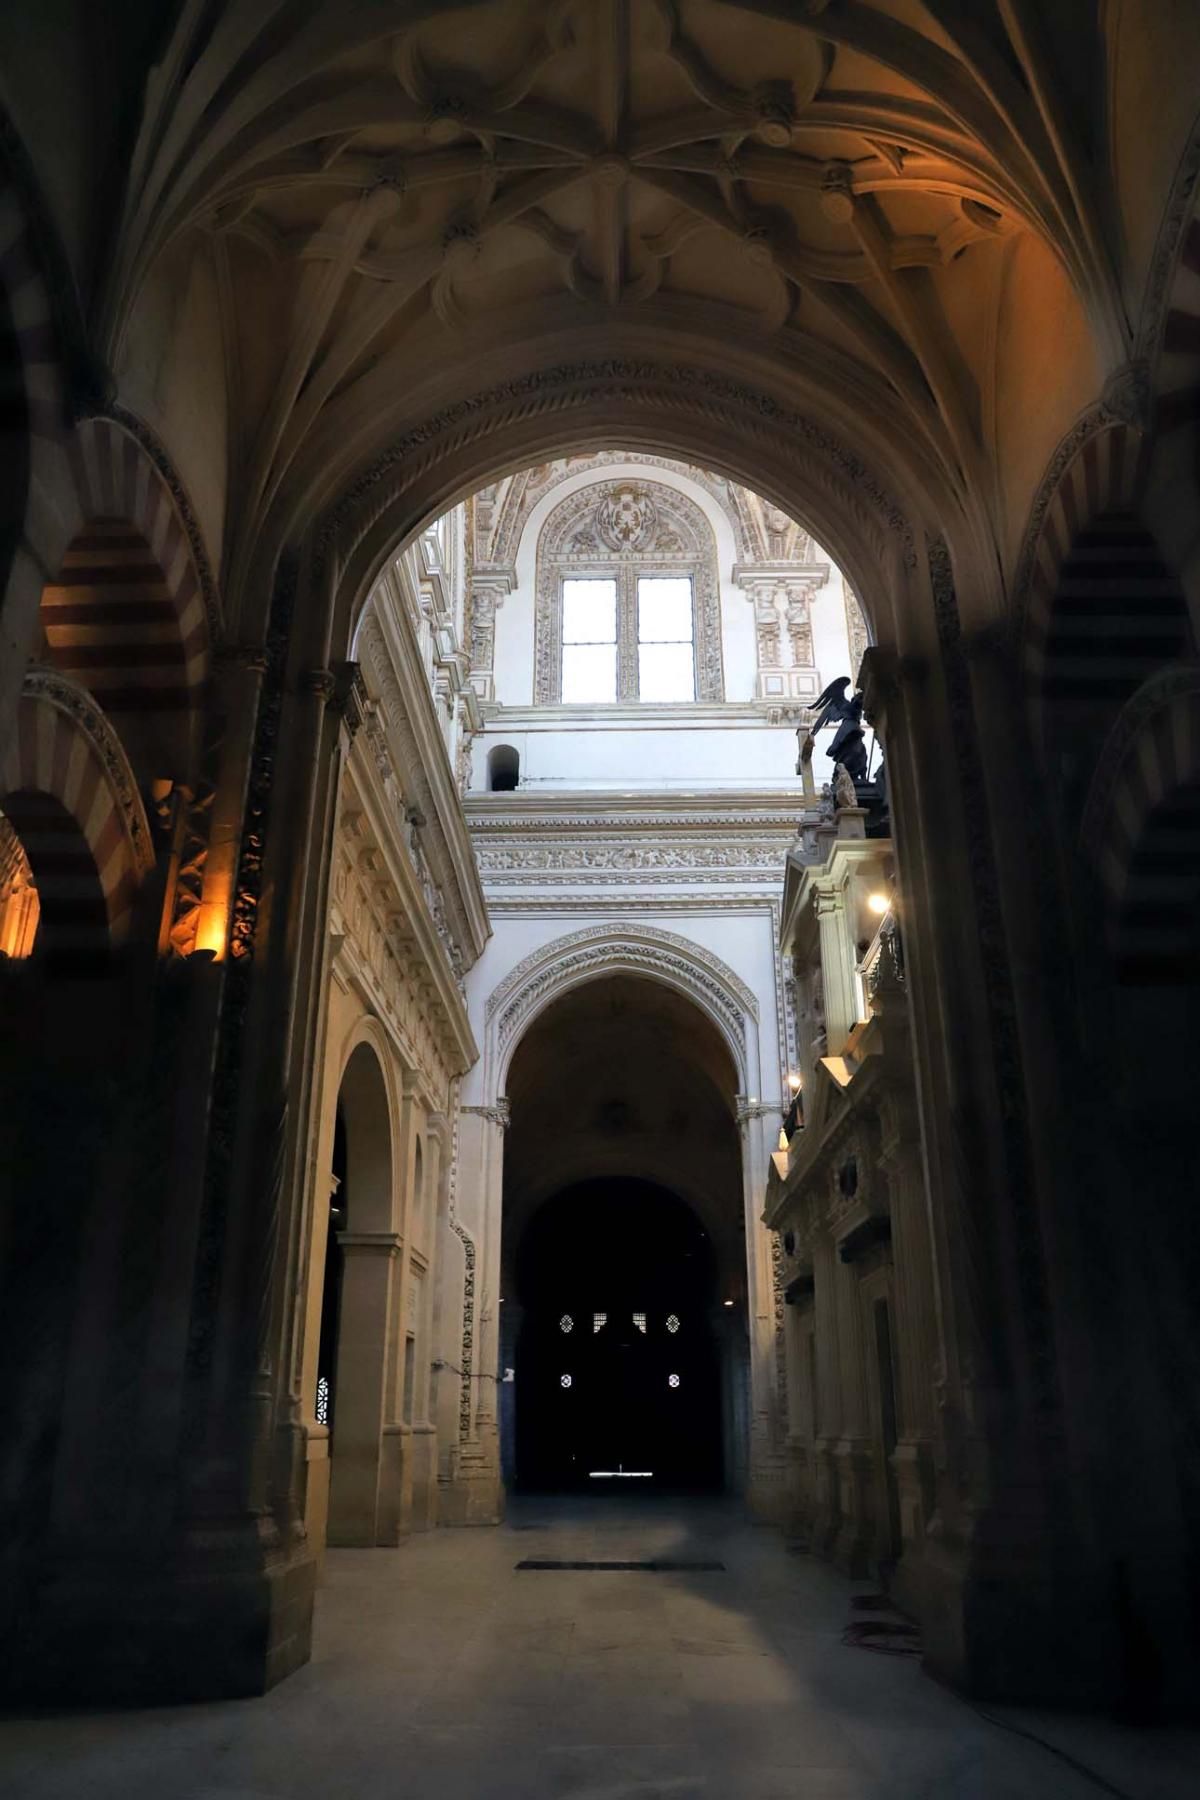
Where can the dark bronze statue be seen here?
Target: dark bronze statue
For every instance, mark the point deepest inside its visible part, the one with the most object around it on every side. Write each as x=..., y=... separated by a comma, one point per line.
x=835, y=706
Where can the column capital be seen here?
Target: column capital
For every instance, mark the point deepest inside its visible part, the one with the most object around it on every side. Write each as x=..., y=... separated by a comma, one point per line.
x=386, y=1243
x=498, y=1113
x=828, y=898
x=754, y=1109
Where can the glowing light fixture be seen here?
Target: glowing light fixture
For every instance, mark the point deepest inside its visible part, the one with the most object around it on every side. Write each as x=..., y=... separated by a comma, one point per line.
x=795, y=1081
x=729, y=1302
x=879, y=903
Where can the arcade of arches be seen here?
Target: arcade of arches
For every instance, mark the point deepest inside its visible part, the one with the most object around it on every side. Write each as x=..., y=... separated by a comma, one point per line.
x=462, y=1031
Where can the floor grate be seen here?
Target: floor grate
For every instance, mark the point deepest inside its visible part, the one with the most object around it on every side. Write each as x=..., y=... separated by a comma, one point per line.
x=657, y=1566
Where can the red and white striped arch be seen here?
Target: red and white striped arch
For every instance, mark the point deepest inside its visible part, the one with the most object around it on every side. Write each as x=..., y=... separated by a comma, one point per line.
x=1095, y=472
x=69, y=793
x=34, y=410
x=126, y=615
x=1141, y=824
x=105, y=519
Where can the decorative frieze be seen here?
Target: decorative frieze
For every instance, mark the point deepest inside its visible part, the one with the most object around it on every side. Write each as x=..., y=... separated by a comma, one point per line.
x=377, y=945
x=675, y=858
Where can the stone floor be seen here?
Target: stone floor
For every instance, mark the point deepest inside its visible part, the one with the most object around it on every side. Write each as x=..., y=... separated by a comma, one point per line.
x=442, y=1673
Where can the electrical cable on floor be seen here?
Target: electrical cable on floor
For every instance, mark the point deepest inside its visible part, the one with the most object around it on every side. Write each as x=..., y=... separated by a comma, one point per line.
x=1073, y=1762
x=859, y=1629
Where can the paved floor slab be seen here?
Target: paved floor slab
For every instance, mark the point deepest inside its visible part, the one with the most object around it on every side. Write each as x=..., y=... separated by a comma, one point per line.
x=441, y=1672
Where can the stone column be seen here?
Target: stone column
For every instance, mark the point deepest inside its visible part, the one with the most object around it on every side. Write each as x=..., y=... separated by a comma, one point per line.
x=995, y=1618
x=917, y=1333
x=395, y=1504
x=767, y=1467
x=446, y=1333
x=361, y=1510
x=827, y=1423
x=838, y=961
x=474, y=1493
x=853, y=1453
x=424, y=1419
x=489, y=587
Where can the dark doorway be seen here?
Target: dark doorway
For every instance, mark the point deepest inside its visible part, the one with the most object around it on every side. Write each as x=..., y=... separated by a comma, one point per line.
x=617, y=1373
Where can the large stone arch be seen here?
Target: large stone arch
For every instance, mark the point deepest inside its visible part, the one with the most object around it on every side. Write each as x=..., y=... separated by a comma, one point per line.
x=1096, y=469
x=110, y=516
x=782, y=449
x=1152, y=751
x=64, y=750
x=600, y=950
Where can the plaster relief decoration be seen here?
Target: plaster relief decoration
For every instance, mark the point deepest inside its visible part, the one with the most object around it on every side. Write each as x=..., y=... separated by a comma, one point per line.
x=621, y=531
x=781, y=594
x=760, y=531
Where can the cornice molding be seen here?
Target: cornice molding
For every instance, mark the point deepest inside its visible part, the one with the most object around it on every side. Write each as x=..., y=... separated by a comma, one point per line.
x=388, y=653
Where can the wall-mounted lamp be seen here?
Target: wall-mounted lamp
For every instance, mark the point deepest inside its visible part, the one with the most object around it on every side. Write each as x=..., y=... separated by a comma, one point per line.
x=795, y=1081
x=212, y=924
x=879, y=903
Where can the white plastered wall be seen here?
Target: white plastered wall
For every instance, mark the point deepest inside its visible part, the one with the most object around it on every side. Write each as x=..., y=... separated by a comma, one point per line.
x=665, y=748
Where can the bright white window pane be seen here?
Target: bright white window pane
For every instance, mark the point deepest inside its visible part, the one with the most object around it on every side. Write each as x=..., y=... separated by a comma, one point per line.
x=666, y=672
x=589, y=612
x=589, y=673
x=665, y=609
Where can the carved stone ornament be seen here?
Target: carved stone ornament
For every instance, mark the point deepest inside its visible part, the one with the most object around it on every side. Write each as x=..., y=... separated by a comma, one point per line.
x=627, y=519
x=500, y=534
x=798, y=442
x=499, y=1113
x=604, y=949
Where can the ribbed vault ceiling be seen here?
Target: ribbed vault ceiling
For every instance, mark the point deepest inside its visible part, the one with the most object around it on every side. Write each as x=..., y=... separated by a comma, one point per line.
x=379, y=180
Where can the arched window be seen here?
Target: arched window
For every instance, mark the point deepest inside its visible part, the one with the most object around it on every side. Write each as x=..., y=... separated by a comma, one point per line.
x=503, y=768
x=627, y=599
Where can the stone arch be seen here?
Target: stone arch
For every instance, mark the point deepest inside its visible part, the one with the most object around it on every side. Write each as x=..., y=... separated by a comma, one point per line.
x=520, y=501
x=367, y=1251
x=1095, y=471
x=364, y=1097
x=1152, y=754
x=70, y=795
x=782, y=452
x=601, y=950
x=130, y=612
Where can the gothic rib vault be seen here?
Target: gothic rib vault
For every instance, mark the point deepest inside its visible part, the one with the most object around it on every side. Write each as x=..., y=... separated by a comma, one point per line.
x=842, y=191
